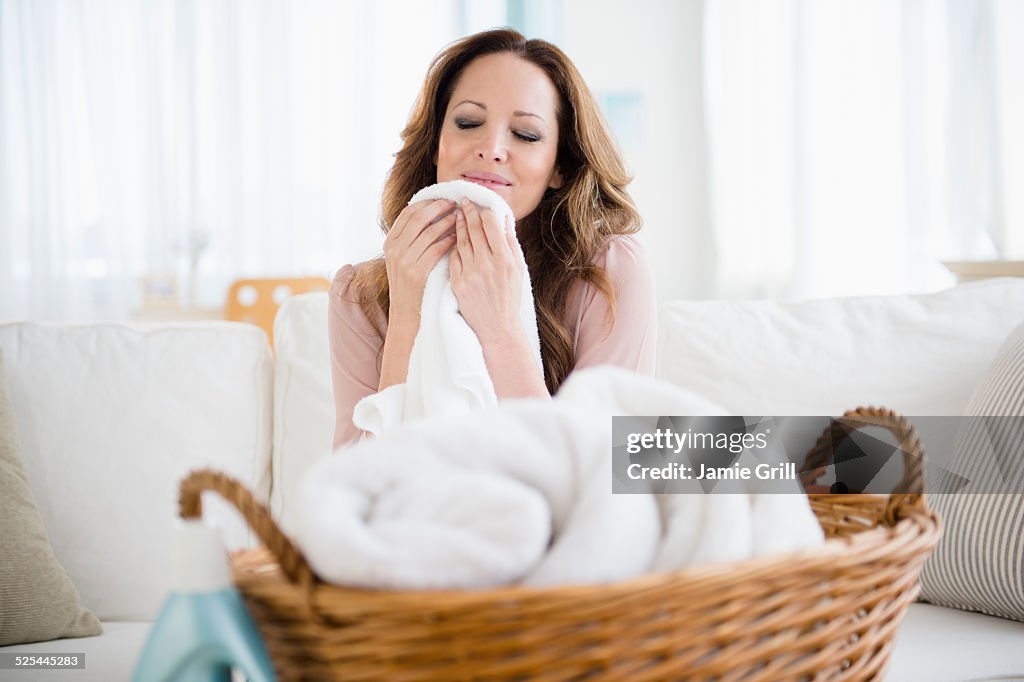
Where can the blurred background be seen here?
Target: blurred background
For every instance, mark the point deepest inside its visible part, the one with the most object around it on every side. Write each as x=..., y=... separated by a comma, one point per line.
x=152, y=152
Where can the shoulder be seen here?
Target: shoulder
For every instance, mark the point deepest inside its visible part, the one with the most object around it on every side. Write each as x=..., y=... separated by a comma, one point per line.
x=345, y=297
x=342, y=287
x=343, y=279
x=624, y=258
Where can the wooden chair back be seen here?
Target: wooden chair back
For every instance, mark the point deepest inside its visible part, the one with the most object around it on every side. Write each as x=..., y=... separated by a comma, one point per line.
x=256, y=300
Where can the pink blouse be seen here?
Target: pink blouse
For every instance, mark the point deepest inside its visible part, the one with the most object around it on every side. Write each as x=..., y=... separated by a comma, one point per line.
x=356, y=346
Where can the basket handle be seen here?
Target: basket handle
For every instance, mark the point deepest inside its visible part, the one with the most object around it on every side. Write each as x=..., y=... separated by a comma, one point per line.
x=906, y=436
x=190, y=506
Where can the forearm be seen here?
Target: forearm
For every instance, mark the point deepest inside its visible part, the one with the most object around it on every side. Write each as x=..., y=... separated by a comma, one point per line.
x=394, y=366
x=512, y=367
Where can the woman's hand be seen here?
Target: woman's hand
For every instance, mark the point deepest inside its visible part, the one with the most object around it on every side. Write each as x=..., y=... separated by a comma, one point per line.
x=487, y=278
x=421, y=235
x=486, y=273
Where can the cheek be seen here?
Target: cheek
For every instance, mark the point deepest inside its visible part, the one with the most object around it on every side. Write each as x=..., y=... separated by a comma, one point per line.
x=540, y=170
x=446, y=158
x=533, y=181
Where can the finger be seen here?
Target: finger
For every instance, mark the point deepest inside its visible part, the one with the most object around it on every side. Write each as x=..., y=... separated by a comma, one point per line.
x=403, y=218
x=493, y=230
x=424, y=213
x=475, y=228
x=434, y=231
x=432, y=255
x=465, y=247
x=449, y=211
x=510, y=238
x=455, y=264
x=432, y=213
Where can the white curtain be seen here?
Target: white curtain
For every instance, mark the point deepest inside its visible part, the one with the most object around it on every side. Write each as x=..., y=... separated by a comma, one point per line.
x=855, y=144
x=134, y=132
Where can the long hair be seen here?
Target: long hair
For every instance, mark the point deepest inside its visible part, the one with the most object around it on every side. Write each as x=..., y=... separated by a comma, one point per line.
x=570, y=225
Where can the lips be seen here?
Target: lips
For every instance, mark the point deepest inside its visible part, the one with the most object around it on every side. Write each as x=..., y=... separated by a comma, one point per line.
x=489, y=180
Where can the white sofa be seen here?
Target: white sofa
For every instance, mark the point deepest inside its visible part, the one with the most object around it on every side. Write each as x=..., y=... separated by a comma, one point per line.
x=111, y=416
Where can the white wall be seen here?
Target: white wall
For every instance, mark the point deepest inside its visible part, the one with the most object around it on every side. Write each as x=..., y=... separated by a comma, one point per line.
x=669, y=163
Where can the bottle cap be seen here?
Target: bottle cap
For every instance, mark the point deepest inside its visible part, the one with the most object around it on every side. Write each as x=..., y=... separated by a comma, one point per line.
x=200, y=562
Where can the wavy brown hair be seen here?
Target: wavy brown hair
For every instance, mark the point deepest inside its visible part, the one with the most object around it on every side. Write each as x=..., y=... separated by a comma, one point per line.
x=569, y=227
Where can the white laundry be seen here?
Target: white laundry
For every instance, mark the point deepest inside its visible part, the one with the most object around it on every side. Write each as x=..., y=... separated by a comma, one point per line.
x=447, y=374
x=521, y=493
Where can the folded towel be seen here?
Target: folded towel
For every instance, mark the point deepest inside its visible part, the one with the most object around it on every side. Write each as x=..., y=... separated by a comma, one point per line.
x=516, y=494
x=732, y=526
x=447, y=373
x=699, y=528
x=521, y=493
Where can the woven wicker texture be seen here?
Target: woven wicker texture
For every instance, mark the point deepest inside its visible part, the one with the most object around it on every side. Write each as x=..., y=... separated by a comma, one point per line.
x=826, y=613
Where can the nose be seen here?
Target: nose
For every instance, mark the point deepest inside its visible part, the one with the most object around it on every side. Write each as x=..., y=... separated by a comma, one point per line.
x=492, y=148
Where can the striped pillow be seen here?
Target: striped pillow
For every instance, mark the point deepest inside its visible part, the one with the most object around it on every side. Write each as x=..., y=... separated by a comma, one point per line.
x=978, y=564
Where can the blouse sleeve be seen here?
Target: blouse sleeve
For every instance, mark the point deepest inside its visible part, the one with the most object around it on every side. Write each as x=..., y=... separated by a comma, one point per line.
x=355, y=348
x=631, y=341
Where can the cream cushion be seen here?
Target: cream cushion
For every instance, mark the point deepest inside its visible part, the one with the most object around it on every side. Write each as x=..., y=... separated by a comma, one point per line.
x=109, y=658
x=38, y=601
x=303, y=397
x=111, y=417
x=917, y=354
x=936, y=644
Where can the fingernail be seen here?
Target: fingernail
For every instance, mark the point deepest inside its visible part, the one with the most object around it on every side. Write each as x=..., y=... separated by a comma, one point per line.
x=465, y=202
x=459, y=216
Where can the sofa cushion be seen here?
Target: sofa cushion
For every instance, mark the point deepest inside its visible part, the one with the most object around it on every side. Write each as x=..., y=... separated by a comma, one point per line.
x=38, y=601
x=111, y=417
x=918, y=354
x=303, y=398
x=936, y=644
x=109, y=657
x=978, y=564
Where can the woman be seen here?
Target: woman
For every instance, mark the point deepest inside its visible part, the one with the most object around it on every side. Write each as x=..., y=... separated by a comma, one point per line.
x=515, y=116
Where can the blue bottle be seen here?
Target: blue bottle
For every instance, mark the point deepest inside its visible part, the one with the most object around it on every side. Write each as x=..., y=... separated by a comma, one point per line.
x=204, y=628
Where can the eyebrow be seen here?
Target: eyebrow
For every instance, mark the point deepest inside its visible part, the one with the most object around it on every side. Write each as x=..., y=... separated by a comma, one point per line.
x=514, y=113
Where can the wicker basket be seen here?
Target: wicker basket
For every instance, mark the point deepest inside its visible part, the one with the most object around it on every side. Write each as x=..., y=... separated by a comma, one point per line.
x=829, y=612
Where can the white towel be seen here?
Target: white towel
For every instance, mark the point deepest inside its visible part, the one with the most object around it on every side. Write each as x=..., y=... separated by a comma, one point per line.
x=700, y=528
x=726, y=526
x=516, y=494
x=447, y=373
x=521, y=493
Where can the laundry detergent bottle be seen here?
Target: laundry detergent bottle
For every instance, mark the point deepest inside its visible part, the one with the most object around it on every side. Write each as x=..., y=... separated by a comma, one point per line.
x=204, y=629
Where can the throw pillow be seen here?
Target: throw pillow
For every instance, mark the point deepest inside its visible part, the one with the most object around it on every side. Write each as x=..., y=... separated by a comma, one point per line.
x=38, y=601
x=978, y=564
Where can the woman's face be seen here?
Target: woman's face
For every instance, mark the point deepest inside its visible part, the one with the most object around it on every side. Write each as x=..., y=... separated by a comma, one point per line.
x=500, y=131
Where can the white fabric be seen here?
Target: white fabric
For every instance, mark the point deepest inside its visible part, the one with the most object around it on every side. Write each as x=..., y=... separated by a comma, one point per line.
x=124, y=141
x=303, y=399
x=920, y=354
x=447, y=374
x=474, y=502
x=109, y=657
x=111, y=417
x=698, y=528
x=854, y=200
x=937, y=644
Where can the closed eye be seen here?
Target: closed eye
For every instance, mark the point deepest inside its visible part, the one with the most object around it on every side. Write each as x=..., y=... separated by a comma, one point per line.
x=462, y=124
